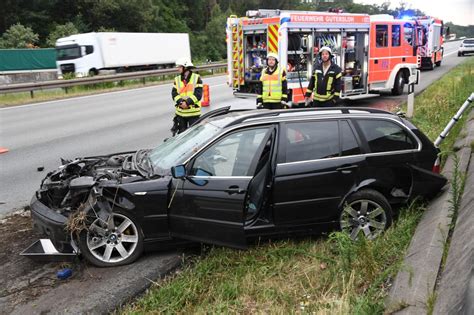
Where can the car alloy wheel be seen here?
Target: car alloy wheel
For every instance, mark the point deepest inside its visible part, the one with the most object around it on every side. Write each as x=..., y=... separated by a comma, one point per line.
x=117, y=241
x=365, y=213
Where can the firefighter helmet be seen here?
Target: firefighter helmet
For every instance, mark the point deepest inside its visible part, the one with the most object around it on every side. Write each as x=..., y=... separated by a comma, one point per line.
x=183, y=62
x=326, y=48
x=272, y=55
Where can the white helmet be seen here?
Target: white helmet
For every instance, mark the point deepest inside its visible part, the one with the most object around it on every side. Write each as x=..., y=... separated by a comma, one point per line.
x=184, y=63
x=327, y=49
x=272, y=55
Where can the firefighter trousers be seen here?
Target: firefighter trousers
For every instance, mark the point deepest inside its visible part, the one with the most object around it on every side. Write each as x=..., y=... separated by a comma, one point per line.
x=180, y=124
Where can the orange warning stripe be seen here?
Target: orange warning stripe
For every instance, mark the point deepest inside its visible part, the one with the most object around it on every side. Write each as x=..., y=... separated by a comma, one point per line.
x=3, y=150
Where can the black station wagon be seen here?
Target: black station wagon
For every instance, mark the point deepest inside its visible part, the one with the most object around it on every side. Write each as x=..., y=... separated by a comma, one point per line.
x=240, y=175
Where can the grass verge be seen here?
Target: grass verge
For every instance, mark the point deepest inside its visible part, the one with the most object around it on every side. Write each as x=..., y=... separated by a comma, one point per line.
x=440, y=101
x=334, y=275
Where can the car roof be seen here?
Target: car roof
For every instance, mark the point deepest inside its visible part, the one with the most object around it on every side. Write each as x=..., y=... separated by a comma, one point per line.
x=226, y=117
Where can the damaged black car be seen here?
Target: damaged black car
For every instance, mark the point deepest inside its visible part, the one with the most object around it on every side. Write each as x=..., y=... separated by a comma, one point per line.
x=236, y=176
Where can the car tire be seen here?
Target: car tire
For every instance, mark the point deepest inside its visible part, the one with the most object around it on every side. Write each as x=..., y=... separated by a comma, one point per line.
x=399, y=84
x=438, y=63
x=117, y=242
x=366, y=211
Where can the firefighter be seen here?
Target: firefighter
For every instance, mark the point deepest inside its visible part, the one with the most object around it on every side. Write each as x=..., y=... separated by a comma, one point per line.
x=272, y=90
x=325, y=84
x=186, y=93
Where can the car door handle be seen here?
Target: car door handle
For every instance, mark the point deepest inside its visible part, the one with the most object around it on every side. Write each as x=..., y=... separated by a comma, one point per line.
x=235, y=190
x=346, y=169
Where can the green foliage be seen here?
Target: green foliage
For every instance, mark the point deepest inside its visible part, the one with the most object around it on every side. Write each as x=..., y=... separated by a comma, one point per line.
x=59, y=31
x=19, y=36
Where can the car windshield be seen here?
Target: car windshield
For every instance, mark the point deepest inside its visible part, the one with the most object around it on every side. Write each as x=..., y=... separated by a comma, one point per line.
x=66, y=53
x=469, y=41
x=177, y=149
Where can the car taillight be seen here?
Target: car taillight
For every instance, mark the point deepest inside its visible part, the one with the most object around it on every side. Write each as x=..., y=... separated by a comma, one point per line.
x=437, y=166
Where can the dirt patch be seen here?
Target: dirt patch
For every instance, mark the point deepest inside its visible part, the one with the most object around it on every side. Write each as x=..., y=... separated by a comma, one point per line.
x=24, y=280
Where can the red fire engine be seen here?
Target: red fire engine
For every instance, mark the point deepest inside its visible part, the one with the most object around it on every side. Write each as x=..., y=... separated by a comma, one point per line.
x=376, y=53
x=430, y=34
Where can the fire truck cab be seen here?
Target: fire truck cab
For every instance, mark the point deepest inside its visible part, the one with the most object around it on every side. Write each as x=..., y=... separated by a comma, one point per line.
x=375, y=53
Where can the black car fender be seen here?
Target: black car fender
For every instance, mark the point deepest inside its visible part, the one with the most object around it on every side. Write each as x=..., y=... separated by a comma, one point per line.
x=370, y=183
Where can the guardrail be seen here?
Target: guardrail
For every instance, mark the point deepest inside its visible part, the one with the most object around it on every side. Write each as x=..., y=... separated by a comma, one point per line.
x=31, y=87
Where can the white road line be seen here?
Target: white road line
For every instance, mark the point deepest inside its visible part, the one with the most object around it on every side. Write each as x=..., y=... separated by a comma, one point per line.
x=167, y=85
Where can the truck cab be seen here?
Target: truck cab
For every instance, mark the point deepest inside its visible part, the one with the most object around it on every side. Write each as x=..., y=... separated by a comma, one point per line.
x=78, y=54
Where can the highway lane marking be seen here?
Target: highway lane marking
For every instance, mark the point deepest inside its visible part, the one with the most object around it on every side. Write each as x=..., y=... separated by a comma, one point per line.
x=167, y=85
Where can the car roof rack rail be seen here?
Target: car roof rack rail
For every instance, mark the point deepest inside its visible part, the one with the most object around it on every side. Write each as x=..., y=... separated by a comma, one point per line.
x=343, y=110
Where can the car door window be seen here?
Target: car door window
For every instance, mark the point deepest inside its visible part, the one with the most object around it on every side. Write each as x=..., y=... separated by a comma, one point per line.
x=232, y=155
x=311, y=140
x=384, y=136
x=348, y=140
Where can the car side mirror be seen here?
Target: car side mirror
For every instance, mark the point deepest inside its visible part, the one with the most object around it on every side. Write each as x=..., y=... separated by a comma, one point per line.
x=178, y=171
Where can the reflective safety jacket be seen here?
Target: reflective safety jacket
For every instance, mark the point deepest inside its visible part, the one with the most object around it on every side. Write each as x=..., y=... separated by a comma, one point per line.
x=325, y=87
x=187, y=89
x=273, y=86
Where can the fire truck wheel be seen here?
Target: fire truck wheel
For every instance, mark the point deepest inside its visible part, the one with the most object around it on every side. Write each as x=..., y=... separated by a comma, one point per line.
x=399, y=84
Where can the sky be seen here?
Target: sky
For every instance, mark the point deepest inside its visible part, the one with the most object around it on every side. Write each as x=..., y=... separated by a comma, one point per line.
x=460, y=12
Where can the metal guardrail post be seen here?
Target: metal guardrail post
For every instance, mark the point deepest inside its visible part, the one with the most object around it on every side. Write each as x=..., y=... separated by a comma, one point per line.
x=454, y=120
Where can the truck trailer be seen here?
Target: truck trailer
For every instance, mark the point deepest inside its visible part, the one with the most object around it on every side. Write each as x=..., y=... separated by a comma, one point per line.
x=89, y=53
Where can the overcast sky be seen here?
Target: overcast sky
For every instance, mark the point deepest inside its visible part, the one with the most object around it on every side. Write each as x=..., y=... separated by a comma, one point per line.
x=459, y=12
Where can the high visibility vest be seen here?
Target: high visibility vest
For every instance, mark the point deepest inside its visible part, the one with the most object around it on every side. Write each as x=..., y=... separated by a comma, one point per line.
x=186, y=91
x=272, y=86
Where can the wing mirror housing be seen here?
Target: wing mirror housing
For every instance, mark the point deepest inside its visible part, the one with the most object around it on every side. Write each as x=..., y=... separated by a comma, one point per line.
x=178, y=172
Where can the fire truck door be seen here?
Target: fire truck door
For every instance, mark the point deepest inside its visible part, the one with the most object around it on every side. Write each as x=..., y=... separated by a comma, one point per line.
x=379, y=64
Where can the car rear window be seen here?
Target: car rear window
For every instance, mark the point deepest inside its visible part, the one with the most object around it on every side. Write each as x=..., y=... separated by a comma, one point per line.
x=311, y=141
x=385, y=136
x=469, y=41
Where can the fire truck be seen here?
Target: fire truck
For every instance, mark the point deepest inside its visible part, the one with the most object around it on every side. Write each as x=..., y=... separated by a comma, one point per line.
x=375, y=53
x=430, y=33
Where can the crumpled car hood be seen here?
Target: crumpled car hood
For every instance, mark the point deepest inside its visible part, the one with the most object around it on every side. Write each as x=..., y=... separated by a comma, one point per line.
x=67, y=187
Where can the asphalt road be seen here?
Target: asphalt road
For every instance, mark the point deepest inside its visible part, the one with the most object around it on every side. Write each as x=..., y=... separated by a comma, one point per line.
x=37, y=135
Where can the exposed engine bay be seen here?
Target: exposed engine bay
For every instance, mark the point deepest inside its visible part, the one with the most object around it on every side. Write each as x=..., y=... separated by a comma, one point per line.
x=66, y=188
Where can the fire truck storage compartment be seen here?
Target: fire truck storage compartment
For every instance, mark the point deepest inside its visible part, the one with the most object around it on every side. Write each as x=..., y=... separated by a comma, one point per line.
x=350, y=53
x=255, y=57
x=354, y=60
x=300, y=56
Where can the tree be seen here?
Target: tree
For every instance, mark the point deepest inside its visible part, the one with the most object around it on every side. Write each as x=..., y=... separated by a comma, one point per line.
x=19, y=36
x=59, y=31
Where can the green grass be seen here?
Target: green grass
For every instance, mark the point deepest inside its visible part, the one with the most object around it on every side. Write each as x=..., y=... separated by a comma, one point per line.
x=435, y=107
x=325, y=275
x=12, y=99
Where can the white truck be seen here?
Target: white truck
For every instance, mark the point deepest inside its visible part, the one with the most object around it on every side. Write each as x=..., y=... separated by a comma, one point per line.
x=89, y=53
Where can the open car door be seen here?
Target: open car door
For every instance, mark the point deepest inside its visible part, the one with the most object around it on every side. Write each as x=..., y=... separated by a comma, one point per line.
x=209, y=203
